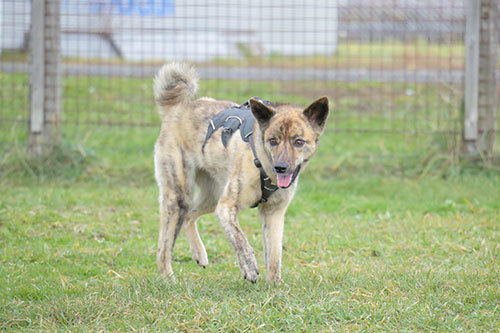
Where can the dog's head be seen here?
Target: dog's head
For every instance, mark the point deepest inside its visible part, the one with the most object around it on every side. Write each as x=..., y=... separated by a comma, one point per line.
x=290, y=135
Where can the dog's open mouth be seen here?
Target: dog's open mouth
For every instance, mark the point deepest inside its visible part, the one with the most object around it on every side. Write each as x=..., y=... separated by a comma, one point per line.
x=285, y=180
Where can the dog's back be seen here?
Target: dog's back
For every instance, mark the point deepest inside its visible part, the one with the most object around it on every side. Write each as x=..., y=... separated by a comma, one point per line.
x=184, y=120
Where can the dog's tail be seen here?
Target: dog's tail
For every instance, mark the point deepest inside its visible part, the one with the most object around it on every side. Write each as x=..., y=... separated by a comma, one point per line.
x=174, y=84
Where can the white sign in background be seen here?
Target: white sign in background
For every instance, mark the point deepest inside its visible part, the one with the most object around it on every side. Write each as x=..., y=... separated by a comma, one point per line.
x=195, y=30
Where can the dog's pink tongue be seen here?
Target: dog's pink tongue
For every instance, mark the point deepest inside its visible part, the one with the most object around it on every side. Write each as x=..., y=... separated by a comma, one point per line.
x=284, y=180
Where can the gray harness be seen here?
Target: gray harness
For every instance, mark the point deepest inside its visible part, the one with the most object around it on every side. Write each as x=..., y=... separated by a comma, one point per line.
x=241, y=118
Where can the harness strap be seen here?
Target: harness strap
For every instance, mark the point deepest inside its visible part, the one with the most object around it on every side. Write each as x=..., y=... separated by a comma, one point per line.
x=266, y=186
x=241, y=118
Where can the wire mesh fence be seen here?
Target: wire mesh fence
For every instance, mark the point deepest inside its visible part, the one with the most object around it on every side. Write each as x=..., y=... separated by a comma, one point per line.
x=392, y=68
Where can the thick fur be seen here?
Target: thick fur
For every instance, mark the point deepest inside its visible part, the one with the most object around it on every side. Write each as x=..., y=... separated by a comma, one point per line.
x=226, y=178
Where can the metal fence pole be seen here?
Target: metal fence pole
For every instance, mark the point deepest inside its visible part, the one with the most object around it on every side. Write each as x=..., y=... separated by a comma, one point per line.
x=488, y=57
x=45, y=76
x=481, y=42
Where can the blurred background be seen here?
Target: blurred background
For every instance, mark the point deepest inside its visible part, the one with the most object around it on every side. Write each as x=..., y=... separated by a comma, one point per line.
x=407, y=79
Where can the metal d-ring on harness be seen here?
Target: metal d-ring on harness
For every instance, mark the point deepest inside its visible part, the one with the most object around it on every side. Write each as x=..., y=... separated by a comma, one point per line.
x=241, y=118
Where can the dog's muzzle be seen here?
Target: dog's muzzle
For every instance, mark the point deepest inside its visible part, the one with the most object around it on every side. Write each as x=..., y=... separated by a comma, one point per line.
x=285, y=180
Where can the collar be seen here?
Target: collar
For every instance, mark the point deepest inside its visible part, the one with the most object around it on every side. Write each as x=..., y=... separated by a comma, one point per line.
x=266, y=185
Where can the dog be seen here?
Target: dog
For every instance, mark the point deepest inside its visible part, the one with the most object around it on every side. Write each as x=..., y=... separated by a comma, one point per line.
x=229, y=175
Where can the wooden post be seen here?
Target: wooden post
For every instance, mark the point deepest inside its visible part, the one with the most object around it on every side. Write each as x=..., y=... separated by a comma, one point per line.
x=481, y=42
x=1, y=26
x=470, y=133
x=45, y=76
x=488, y=57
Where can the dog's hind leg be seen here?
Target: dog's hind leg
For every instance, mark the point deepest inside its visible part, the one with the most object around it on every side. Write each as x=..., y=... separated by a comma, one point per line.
x=175, y=181
x=198, y=251
x=204, y=203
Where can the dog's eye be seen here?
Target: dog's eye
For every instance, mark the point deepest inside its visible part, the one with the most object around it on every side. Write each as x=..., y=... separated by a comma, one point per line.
x=273, y=142
x=299, y=143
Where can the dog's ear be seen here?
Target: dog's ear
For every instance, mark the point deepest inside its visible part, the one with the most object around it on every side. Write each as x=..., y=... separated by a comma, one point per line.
x=261, y=112
x=317, y=112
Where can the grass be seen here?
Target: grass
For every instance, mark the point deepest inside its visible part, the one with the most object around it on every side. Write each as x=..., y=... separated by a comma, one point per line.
x=393, y=118
x=371, y=243
x=363, y=251
x=387, y=54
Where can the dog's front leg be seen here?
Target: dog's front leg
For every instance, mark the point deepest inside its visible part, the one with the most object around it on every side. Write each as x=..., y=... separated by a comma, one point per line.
x=228, y=218
x=273, y=221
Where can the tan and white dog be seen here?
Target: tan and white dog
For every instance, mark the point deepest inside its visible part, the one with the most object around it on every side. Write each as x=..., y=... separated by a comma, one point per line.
x=284, y=139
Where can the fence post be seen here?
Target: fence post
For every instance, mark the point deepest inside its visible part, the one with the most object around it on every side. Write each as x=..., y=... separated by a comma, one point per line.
x=481, y=43
x=488, y=57
x=45, y=76
x=471, y=87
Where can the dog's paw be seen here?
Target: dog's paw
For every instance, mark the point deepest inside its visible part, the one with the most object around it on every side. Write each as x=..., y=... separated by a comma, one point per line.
x=198, y=252
x=202, y=263
x=201, y=258
x=250, y=270
x=252, y=276
x=273, y=279
x=164, y=268
x=169, y=277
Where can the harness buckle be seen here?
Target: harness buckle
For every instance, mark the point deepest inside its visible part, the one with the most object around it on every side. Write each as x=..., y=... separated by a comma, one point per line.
x=257, y=163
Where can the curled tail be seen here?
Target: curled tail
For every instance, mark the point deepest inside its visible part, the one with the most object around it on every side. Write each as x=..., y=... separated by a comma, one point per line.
x=174, y=84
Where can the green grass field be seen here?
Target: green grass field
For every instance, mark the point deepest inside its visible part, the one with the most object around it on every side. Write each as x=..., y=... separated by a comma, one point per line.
x=362, y=251
x=386, y=54
x=101, y=112
x=406, y=242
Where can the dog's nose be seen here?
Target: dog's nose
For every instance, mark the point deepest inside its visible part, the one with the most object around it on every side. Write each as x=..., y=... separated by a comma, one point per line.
x=280, y=167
